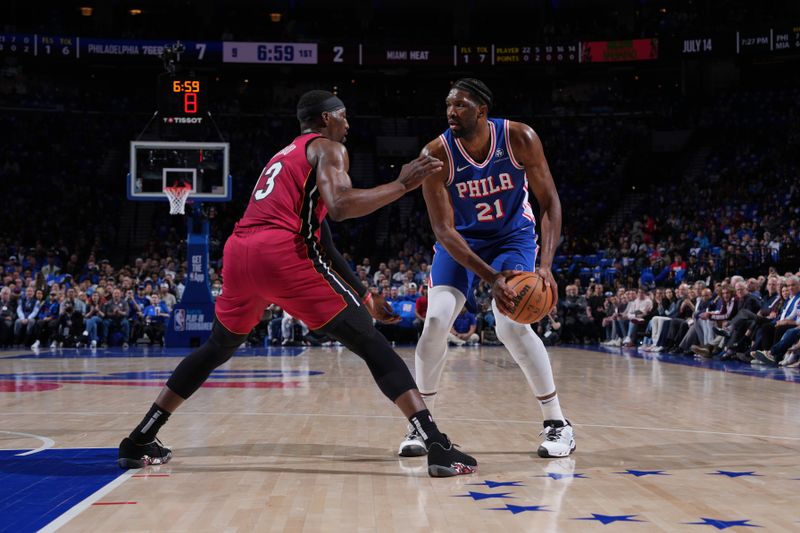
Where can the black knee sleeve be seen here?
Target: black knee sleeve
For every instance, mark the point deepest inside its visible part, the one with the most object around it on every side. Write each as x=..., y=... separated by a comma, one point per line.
x=353, y=328
x=195, y=368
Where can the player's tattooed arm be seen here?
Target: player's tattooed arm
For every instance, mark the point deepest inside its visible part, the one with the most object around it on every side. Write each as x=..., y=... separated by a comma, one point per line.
x=440, y=212
x=528, y=151
x=336, y=188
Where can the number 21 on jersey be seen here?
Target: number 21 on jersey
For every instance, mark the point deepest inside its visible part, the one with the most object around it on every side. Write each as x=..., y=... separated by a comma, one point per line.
x=271, y=173
x=490, y=212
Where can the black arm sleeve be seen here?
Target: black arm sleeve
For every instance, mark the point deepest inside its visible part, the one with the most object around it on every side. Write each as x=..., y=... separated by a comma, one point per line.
x=338, y=263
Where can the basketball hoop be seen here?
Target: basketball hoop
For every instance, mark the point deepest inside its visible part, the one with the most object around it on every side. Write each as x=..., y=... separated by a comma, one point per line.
x=177, y=198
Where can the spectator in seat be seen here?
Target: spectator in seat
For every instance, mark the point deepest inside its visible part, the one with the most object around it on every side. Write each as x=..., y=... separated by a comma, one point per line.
x=695, y=334
x=47, y=323
x=71, y=297
x=116, y=316
x=549, y=328
x=93, y=319
x=50, y=267
x=135, y=315
x=155, y=320
x=611, y=308
x=724, y=309
x=7, y=316
x=464, y=329
x=576, y=317
x=666, y=313
x=404, y=306
x=771, y=332
x=167, y=297
x=27, y=311
x=275, y=323
x=751, y=310
x=288, y=323
x=777, y=353
x=596, y=300
x=635, y=316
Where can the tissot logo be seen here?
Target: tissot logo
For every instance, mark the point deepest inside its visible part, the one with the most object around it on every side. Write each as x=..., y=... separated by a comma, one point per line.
x=182, y=120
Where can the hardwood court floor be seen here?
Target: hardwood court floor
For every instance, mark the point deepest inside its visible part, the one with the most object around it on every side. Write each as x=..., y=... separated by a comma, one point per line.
x=301, y=440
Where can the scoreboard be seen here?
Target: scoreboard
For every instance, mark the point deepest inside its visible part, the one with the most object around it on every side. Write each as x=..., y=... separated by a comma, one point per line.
x=783, y=39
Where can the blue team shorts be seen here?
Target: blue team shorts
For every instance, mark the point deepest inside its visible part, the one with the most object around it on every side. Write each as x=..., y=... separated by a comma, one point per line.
x=515, y=252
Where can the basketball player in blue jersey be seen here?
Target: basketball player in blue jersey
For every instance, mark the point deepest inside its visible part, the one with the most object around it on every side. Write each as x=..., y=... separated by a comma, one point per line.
x=485, y=229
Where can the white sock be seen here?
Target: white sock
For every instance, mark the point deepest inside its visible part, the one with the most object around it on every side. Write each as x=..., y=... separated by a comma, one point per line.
x=529, y=352
x=551, y=409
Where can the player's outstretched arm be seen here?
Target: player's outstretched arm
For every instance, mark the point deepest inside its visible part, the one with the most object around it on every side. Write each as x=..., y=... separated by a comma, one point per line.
x=440, y=212
x=343, y=201
x=529, y=153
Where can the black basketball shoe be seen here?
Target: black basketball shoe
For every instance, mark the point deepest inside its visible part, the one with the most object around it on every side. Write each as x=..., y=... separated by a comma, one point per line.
x=447, y=461
x=132, y=455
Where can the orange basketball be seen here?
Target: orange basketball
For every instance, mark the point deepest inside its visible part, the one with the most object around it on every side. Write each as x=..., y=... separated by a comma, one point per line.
x=533, y=300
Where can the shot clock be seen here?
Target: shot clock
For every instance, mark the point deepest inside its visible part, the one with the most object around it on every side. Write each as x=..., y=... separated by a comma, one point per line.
x=181, y=97
x=182, y=107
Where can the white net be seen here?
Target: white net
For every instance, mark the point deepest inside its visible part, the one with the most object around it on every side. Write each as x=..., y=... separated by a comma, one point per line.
x=177, y=199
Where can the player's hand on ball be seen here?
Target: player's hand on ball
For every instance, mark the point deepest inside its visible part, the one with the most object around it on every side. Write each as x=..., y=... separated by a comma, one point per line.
x=414, y=172
x=380, y=309
x=503, y=295
x=550, y=282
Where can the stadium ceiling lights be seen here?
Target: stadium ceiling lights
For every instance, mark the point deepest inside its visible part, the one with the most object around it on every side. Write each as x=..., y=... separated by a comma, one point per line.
x=87, y=11
x=135, y=11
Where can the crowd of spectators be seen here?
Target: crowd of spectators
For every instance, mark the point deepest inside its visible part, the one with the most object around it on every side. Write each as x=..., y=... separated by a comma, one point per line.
x=740, y=218
x=47, y=303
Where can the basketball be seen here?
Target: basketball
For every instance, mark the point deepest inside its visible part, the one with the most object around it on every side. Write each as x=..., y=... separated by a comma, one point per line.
x=533, y=300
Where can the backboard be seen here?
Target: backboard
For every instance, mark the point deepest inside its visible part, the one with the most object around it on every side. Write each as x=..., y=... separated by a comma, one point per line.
x=158, y=164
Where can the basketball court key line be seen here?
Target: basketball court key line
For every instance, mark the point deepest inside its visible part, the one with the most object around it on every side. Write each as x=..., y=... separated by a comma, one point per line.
x=46, y=442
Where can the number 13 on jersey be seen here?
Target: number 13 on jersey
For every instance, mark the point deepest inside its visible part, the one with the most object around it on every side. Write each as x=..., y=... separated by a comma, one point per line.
x=270, y=173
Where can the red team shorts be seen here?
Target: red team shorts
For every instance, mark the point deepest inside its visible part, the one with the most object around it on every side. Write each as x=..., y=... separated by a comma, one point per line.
x=276, y=266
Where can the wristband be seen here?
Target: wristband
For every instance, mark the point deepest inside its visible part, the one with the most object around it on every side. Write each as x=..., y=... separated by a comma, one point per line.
x=367, y=298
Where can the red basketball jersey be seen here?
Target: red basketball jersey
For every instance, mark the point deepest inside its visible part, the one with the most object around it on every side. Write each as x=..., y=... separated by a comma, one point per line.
x=286, y=195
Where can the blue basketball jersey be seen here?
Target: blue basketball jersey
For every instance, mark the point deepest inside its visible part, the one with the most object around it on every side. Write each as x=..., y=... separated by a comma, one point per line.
x=490, y=198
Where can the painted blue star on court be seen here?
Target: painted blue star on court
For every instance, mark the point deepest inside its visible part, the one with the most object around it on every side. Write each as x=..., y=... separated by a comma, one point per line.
x=722, y=524
x=483, y=495
x=554, y=475
x=733, y=474
x=495, y=484
x=642, y=473
x=516, y=509
x=606, y=519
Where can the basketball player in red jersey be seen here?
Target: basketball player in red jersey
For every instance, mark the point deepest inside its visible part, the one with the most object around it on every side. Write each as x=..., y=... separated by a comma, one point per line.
x=281, y=252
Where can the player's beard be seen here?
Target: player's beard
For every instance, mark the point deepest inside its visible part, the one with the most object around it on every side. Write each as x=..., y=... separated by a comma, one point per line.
x=462, y=131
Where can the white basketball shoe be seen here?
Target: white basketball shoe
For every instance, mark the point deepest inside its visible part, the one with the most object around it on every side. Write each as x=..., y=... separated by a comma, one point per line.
x=413, y=444
x=559, y=439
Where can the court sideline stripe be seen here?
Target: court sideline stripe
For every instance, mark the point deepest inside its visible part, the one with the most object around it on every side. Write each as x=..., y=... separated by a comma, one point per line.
x=478, y=420
x=87, y=502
